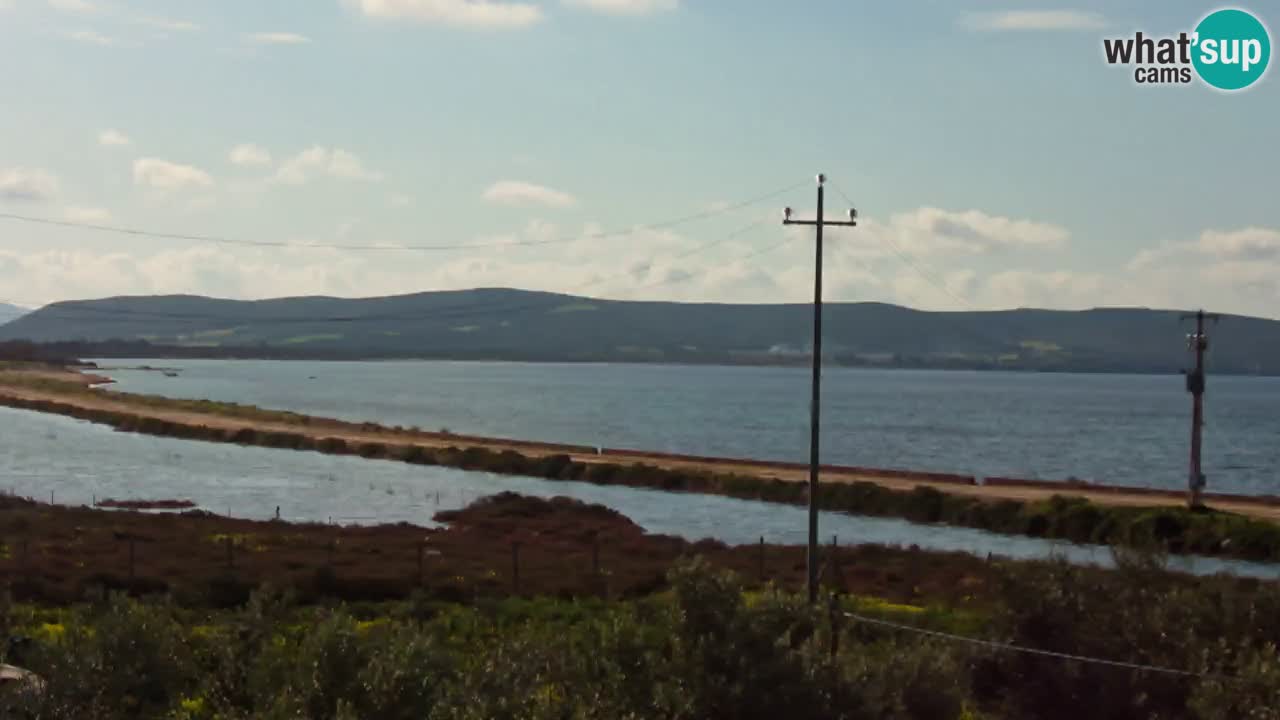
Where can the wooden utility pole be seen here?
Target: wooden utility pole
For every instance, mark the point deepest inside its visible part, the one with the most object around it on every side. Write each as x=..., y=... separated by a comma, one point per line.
x=814, y=402
x=1197, y=342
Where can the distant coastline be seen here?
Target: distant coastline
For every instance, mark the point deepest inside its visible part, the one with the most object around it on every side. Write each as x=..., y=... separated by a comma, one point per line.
x=502, y=324
x=145, y=351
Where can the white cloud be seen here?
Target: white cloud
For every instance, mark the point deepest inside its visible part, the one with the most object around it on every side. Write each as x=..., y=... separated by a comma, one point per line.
x=86, y=214
x=1231, y=270
x=1248, y=244
x=168, y=24
x=625, y=7
x=59, y=274
x=457, y=13
x=1245, y=244
x=113, y=137
x=198, y=203
x=93, y=37
x=318, y=160
x=399, y=200
x=250, y=155
x=982, y=231
x=27, y=185
x=1149, y=257
x=1015, y=20
x=518, y=193
x=934, y=231
x=277, y=38
x=74, y=7
x=164, y=175
x=348, y=166
x=1056, y=288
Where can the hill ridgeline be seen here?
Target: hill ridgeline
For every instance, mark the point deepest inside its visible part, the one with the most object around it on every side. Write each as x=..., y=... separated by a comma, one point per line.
x=508, y=324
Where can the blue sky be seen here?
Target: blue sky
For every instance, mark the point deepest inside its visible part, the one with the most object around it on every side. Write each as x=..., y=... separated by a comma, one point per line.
x=986, y=142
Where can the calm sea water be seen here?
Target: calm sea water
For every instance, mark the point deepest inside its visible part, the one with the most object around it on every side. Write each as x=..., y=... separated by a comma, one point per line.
x=1118, y=429
x=74, y=462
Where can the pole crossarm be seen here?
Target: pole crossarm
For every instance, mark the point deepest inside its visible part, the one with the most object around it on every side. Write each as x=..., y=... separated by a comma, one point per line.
x=830, y=223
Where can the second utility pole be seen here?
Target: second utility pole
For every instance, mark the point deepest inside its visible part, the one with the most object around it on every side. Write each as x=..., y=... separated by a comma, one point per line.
x=811, y=558
x=1197, y=342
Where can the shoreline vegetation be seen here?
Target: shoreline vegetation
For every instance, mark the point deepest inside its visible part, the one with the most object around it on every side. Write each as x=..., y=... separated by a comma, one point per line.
x=131, y=350
x=553, y=608
x=502, y=545
x=64, y=352
x=114, y=504
x=1238, y=527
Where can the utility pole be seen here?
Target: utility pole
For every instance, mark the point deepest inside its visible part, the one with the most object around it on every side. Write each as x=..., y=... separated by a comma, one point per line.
x=1197, y=342
x=811, y=558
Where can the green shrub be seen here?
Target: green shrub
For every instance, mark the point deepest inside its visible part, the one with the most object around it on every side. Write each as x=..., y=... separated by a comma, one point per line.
x=371, y=450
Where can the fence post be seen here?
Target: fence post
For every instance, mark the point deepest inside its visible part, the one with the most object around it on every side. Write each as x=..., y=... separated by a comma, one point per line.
x=833, y=608
x=515, y=568
x=421, y=549
x=761, y=558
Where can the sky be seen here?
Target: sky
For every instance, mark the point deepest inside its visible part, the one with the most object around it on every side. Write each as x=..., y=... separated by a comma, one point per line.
x=612, y=147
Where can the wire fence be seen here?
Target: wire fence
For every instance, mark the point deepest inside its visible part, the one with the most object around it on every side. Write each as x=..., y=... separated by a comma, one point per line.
x=1007, y=647
x=584, y=562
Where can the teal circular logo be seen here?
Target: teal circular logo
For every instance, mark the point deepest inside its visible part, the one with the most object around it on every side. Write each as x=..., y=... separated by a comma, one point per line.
x=1232, y=49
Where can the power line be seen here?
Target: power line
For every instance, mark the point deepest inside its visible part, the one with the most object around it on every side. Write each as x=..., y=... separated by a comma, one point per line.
x=1007, y=647
x=221, y=240
x=466, y=308
x=741, y=258
x=933, y=279
x=907, y=260
x=454, y=312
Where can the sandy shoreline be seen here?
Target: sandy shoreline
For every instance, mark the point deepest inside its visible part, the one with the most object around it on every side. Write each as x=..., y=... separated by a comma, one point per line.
x=18, y=385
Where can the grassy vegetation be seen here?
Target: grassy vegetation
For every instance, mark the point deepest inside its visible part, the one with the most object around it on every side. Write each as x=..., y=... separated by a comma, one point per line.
x=59, y=555
x=1170, y=529
x=701, y=647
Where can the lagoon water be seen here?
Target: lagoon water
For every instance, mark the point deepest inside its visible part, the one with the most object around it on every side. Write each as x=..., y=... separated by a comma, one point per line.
x=74, y=462
x=1116, y=429
x=1120, y=429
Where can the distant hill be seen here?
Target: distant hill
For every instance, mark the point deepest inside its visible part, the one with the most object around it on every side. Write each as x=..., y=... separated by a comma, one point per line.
x=9, y=313
x=522, y=325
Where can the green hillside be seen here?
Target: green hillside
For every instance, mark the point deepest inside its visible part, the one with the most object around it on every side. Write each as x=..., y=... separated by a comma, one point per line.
x=9, y=313
x=522, y=325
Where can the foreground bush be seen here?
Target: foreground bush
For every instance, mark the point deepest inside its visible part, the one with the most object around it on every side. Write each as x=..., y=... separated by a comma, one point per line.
x=704, y=649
